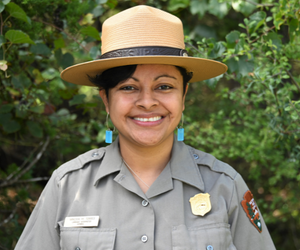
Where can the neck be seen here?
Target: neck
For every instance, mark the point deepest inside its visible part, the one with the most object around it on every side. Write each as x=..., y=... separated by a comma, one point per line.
x=146, y=162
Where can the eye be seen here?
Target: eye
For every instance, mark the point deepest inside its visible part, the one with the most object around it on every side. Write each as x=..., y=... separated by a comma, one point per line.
x=127, y=88
x=164, y=87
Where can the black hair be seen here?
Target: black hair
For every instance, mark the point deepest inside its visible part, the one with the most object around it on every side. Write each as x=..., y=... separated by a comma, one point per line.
x=112, y=77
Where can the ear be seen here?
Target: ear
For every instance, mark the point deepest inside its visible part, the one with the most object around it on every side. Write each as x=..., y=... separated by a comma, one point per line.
x=104, y=99
x=183, y=101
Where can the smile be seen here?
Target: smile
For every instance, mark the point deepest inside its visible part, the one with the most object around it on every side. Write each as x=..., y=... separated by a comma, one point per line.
x=151, y=119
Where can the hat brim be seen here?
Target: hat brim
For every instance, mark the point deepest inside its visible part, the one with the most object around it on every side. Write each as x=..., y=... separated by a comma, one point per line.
x=202, y=69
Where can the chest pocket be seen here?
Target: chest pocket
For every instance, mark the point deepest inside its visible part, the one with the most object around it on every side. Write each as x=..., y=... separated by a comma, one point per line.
x=208, y=237
x=87, y=238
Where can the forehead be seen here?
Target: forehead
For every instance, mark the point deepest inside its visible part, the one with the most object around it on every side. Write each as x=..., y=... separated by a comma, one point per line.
x=154, y=70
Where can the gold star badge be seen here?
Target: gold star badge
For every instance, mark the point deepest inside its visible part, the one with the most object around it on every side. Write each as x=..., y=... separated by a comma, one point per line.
x=200, y=204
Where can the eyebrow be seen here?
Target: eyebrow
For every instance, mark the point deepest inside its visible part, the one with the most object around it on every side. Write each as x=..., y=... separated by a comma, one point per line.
x=156, y=78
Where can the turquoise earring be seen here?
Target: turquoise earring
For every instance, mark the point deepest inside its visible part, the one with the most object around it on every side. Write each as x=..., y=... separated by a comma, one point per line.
x=108, y=133
x=180, y=131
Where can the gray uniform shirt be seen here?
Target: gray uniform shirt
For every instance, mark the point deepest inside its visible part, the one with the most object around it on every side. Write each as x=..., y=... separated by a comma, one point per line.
x=97, y=183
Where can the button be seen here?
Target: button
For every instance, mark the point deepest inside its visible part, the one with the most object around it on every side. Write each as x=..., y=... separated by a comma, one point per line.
x=93, y=155
x=145, y=203
x=144, y=238
x=77, y=248
x=196, y=157
x=209, y=247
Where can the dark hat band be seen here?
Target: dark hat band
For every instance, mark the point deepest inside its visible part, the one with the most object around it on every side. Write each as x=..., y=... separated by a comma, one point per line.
x=145, y=51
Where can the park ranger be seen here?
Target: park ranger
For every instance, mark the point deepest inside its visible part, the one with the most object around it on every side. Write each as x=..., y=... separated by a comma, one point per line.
x=146, y=190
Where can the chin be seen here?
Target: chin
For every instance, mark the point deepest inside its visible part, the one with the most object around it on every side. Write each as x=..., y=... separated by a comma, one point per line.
x=150, y=140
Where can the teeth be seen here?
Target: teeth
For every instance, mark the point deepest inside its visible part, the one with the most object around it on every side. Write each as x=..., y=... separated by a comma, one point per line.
x=151, y=119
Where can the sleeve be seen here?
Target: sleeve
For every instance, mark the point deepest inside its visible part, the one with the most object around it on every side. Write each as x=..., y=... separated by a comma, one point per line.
x=40, y=231
x=248, y=228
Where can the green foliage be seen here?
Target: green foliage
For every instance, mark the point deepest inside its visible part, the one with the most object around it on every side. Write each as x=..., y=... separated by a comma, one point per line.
x=249, y=117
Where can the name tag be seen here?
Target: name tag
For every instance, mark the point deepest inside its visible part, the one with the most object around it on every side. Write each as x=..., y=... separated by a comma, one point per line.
x=82, y=221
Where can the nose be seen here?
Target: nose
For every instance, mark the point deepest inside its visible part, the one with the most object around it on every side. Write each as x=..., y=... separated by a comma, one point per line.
x=146, y=99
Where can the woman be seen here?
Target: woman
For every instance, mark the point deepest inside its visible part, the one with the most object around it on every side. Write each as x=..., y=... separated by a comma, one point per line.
x=146, y=190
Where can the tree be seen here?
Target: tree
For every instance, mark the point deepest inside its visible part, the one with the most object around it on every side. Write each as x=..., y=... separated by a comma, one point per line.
x=249, y=117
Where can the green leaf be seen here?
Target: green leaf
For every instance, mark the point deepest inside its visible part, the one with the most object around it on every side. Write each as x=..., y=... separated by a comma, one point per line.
x=2, y=40
x=217, y=50
x=275, y=38
x=94, y=52
x=112, y=3
x=9, y=124
x=1, y=7
x=198, y=7
x=5, y=1
x=17, y=12
x=90, y=31
x=77, y=99
x=245, y=65
x=59, y=43
x=212, y=82
x=218, y=9
x=21, y=113
x=40, y=49
x=6, y=108
x=243, y=7
x=178, y=4
x=57, y=83
x=294, y=28
x=35, y=129
x=232, y=38
x=98, y=11
x=37, y=109
x=50, y=73
x=232, y=65
x=17, y=36
x=21, y=81
x=258, y=18
x=66, y=60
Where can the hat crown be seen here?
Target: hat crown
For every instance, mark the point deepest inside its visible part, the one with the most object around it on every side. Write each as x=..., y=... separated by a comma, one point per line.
x=142, y=26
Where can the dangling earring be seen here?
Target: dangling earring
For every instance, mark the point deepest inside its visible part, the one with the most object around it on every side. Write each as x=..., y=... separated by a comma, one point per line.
x=180, y=131
x=108, y=133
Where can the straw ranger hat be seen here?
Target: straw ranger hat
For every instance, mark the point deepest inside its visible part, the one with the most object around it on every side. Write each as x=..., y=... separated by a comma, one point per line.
x=143, y=35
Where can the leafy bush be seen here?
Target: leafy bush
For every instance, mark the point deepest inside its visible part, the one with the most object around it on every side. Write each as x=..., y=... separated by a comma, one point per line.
x=249, y=117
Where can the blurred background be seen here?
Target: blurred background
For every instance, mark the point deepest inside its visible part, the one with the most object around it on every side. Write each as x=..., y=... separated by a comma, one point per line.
x=248, y=117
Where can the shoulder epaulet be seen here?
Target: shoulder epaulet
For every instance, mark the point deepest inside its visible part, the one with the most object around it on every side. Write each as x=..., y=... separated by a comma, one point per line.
x=214, y=164
x=80, y=161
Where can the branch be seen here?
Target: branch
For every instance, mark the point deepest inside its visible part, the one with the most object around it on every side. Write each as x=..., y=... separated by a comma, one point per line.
x=292, y=104
x=37, y=158
x=259, y=4
x=73, y=38
x=33, y=180
x=192, y=46
x=9, y=217
x=1, y=25
x=293, y=80
x=263, y=34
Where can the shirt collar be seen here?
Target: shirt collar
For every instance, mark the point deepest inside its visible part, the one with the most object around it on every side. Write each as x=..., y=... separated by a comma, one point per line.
x=111, y=161
x=184, y=167
x=182, y=164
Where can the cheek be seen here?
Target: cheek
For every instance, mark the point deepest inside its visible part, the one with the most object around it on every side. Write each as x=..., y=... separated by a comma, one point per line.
x=119, y=107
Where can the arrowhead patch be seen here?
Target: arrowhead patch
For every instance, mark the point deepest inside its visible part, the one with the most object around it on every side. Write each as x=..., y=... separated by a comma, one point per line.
x=251, y=210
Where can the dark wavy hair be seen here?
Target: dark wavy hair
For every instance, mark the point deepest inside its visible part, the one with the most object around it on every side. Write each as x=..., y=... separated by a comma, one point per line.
x=111, y=77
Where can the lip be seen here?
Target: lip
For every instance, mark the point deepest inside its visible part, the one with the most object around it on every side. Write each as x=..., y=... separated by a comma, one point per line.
x=148, y=120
